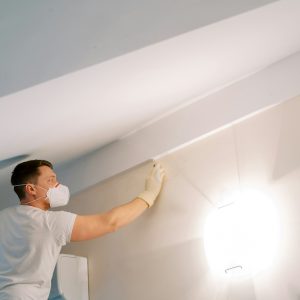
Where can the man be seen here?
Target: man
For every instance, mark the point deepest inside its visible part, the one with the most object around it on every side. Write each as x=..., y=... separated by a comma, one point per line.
x=31, y=236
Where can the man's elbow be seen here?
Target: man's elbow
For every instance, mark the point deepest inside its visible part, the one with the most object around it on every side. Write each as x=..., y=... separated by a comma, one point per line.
x=113, y=223
x=110, y=223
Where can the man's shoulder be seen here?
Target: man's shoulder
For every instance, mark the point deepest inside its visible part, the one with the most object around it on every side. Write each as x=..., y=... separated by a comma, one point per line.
x=8, y=212
x=20, y=210
x=59, y=213
x=10, y=208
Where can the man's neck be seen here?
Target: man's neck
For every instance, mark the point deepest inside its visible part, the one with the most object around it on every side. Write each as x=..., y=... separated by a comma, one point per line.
x=38, y=204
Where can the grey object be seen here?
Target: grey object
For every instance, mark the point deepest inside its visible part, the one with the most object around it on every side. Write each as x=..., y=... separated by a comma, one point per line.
x=70, y=279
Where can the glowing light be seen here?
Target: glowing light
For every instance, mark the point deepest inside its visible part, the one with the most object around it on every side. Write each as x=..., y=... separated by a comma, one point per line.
x=242, y=236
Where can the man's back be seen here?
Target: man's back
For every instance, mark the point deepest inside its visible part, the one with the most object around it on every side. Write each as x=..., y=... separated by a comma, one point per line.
x=30, y=242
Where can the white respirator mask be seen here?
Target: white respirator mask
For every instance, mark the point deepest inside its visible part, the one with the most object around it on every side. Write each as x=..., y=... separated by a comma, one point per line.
x=57, y=196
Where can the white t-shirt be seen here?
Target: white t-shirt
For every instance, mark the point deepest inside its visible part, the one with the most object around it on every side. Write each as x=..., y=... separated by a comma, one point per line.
x=30, y=242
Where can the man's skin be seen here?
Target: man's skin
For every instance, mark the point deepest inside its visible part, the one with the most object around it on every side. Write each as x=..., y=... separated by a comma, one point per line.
x=85, y=227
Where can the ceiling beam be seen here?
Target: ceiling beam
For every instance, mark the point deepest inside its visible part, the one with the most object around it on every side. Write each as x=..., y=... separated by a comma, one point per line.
x=273, y=85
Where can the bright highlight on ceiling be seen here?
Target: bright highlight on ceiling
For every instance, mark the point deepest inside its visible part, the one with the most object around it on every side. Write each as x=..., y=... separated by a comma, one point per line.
x=242, y=237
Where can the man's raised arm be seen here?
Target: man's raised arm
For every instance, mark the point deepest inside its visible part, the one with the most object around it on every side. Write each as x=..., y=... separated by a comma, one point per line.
x=92, y=226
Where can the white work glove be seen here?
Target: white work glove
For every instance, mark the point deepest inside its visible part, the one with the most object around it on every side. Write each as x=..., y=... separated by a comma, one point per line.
x=153, y=184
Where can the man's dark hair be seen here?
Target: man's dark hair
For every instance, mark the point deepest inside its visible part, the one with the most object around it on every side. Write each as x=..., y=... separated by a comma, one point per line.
x=27, y=172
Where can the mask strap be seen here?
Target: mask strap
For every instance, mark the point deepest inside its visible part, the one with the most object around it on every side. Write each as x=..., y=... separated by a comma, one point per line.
x=35, y=185
x=34, y=200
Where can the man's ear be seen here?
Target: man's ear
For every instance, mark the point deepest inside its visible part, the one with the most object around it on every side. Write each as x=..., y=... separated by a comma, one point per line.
x=29, y=188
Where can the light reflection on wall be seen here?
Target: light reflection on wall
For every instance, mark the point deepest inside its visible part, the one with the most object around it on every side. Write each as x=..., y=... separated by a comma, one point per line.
x=242, y=236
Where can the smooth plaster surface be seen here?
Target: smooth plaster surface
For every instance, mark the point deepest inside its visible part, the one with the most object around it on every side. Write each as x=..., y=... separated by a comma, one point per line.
x=161, y=255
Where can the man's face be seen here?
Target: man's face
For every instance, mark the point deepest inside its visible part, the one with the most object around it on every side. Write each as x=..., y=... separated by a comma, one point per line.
x=46, y=179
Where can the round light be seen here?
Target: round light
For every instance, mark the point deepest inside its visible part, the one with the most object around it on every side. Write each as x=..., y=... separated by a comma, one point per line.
x=242, y=236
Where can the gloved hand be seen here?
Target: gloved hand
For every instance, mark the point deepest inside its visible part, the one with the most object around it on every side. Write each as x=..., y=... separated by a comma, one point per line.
x=153, y=184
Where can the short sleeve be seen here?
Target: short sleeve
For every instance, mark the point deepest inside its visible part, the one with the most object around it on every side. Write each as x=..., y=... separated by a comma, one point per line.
x=61, y=225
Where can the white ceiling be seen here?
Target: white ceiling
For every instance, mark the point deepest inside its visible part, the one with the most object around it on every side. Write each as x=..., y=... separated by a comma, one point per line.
x=42, y=40
x=55, y=107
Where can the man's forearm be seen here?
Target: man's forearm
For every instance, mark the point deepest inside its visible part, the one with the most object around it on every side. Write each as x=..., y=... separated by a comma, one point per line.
x=92, y=226
x=126, y=213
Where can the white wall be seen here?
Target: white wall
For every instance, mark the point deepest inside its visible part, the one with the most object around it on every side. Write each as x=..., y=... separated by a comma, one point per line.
x=161, y=255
